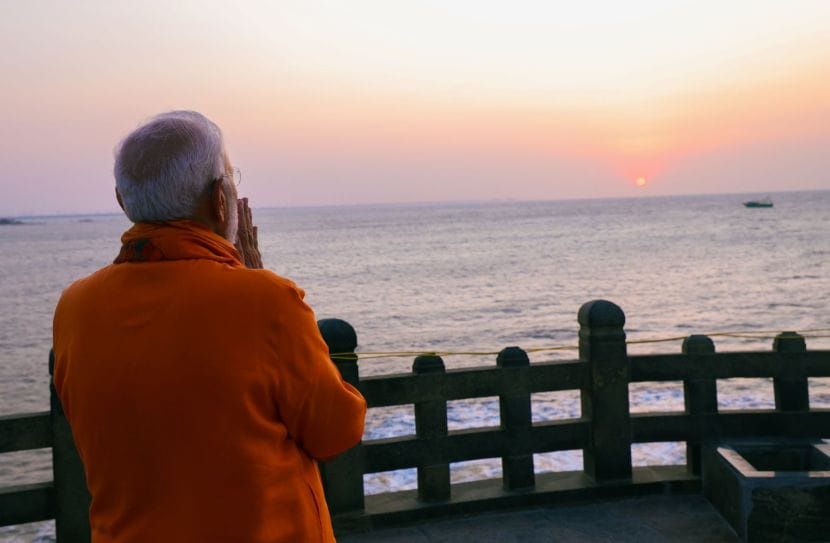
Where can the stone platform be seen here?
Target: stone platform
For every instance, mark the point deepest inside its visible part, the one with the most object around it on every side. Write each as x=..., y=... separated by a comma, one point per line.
x=649, y=519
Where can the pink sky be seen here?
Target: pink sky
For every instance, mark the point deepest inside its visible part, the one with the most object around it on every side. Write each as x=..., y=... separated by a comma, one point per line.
x=327, y=102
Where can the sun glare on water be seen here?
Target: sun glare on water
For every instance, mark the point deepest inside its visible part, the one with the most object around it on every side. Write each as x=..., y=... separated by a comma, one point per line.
x=640, y=182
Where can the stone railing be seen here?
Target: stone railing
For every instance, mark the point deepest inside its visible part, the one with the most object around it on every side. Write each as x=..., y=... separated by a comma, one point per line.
x=604, y=432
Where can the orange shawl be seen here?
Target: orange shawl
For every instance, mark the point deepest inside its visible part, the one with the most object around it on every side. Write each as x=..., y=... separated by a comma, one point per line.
x=200, y=393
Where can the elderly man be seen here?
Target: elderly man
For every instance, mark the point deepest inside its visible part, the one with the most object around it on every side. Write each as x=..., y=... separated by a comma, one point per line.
x=199, y=391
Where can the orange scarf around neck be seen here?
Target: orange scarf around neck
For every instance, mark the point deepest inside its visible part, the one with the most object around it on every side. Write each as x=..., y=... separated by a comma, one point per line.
x=175, y=240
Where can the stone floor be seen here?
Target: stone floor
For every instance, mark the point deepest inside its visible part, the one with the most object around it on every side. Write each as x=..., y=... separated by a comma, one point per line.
x=638, y=520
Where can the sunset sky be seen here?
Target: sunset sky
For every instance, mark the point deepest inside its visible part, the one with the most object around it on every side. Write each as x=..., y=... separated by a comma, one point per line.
x=345, y=102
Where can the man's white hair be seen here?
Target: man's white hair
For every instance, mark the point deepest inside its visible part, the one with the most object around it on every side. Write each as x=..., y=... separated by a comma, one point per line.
x=165, y=167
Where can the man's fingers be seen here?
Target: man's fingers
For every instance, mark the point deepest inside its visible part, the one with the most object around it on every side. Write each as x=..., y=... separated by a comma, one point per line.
x=248, y=240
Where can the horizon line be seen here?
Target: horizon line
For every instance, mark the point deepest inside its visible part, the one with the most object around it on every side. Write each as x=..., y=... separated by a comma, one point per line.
x=439, y=202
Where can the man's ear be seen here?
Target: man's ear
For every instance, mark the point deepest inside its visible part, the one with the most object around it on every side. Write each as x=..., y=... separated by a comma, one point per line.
x=120, y=201
x=218, y=202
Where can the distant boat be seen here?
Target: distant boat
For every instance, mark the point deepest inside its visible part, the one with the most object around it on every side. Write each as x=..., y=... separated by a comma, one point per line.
x=764, y=202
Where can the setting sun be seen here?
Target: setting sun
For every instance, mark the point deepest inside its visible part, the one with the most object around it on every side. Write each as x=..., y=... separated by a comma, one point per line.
x=640, y=182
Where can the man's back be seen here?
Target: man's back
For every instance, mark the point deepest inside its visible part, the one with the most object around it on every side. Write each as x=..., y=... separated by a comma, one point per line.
x=199, y=393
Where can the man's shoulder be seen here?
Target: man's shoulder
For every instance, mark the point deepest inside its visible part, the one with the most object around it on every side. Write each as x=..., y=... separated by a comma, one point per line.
x=83, y=293
x=266, y=283
x=89, y=282
x=263, y=295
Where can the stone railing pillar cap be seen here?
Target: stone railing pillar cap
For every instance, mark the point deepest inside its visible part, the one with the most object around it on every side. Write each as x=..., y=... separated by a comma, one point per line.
x=601, y=313
x=512, y=356
x=428, y=363
x=339, y=335
x=698, y=344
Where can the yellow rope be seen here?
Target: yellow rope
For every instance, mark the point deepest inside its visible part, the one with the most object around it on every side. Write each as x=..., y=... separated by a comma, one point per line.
x=661, y=340
x=753, y=334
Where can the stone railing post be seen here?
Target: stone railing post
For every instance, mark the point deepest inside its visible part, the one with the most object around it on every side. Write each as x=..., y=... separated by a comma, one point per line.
x=791, y=389
x=72, y=498
x=516, y=421
x=431, y=426
x=700, y=394
x=605, y=401
x=343, y=476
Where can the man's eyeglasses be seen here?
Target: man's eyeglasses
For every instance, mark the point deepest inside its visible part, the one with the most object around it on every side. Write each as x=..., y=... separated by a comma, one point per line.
x=234, y=175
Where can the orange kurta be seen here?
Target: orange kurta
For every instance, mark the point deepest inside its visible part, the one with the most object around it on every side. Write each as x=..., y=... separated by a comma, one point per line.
x=200, y=394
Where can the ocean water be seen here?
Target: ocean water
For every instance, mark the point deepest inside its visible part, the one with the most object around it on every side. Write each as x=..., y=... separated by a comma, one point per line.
x=478, y=277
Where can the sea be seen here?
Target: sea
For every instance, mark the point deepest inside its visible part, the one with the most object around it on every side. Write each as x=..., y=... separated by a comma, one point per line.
x=475, y=277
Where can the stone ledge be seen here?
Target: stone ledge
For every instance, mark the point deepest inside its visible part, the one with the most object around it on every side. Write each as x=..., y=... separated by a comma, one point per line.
x=402, y=508
x=673, y=518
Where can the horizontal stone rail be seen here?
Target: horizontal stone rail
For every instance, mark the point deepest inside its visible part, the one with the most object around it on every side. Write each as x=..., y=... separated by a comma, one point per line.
x=604, y=432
